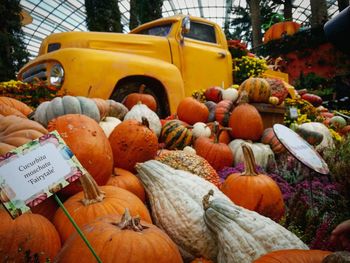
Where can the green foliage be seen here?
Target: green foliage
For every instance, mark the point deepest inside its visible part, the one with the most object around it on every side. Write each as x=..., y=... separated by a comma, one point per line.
x=315, y=84
x=301, y=40
x=143, y=11
x=13, y=54
x=241, y=23
x=338, y=162
x=31, y=94
x=103, y=16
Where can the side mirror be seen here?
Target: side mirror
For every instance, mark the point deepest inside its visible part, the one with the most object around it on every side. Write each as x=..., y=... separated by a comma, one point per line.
x=186, y=25
x=185, y=28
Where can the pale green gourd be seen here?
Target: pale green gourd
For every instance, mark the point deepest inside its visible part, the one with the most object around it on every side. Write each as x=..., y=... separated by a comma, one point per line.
x=176, y=203
x=59, y=106
x=242, y=235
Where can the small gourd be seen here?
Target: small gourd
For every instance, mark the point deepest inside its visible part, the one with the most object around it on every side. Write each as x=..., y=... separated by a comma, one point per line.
x=201, y=129
x=262, y=152
x=108, y=124
x=139, y=110
x=230, y=94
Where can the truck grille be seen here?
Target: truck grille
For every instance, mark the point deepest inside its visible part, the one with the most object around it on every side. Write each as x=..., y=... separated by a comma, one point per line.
x=38, y=72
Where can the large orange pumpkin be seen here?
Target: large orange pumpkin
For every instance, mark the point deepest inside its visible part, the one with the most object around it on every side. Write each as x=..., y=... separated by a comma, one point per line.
x=96, y=202
x=254, y=191
x=190, y=110
x=128, y=181
x=123, y=240
x=132, y=142
x=246, y=122
x=6, y=110
x=281, y=29
x=16, y=131
x=293, y=256
x=16, y=104
x=89, y=144
x=27, y=237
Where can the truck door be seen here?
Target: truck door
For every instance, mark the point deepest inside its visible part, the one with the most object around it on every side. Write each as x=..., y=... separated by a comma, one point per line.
x=206, y=60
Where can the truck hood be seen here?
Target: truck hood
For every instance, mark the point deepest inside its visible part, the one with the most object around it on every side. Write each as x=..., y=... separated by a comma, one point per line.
x=145, y=45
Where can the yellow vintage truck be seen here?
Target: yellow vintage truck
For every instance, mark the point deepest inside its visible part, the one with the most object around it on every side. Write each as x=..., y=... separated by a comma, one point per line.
x=172, y=56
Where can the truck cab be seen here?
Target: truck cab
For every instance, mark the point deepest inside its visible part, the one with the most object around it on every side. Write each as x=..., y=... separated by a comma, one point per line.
x=171, y=56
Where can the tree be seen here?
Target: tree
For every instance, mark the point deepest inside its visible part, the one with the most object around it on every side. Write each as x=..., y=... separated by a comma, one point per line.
x=13, y=54
x=103, y=15
x=318, y=12
x=143, y=11
x=254, y=7
x=241, y=23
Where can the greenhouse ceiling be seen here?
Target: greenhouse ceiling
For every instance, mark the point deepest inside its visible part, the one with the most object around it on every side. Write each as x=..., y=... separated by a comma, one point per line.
x=51, y=16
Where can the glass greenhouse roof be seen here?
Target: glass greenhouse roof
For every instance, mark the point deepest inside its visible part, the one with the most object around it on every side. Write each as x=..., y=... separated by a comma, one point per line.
x=51, y=16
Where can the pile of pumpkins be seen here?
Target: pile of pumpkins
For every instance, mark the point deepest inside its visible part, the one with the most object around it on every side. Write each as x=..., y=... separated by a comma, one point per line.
x=152, y=192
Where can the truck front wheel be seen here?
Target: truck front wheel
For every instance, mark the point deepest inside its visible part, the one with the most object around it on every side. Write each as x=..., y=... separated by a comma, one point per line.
x=153, y=87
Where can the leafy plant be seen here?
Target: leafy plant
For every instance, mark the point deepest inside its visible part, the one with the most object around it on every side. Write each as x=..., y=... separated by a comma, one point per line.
x=31, y=94
x=246, y=67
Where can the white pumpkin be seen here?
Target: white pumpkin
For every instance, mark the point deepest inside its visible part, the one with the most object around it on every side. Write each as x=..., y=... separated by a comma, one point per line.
x=327, y=141
x=201, y=129
x=189, y=150
x=262, y=152
x=230, y=94
x=141, y=110
x=176, y=203
x=108, y=124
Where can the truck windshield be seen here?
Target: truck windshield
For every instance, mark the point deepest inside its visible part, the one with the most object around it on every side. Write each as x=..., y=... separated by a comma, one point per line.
x=161, y=30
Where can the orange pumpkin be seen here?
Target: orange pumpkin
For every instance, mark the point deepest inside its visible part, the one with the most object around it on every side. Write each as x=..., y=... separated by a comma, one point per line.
x=27, y=237
x=281, y=29
x=133, y=98
x=132, y=142
x=6, y=110
x=293, y=256
x=96, y=202
x=191, y=111
x=16, y=104
x=216, y=153
x=246, y=122
x=89, y=144
x=121, y=239
x=254, y=191
x=128, y=181
x=16, y=131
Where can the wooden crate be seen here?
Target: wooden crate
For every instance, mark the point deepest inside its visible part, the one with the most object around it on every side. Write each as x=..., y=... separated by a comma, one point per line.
x=270, y=114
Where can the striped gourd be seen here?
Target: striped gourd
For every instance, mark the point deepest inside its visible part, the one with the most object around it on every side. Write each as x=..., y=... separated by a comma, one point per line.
x=175, y=135
x=258, y=89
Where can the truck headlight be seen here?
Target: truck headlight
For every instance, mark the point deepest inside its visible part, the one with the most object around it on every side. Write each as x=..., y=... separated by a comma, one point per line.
x=56, y=75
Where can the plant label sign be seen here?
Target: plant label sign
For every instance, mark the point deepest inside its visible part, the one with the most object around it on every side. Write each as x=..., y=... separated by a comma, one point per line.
x=36, y=170
x=300, y=149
